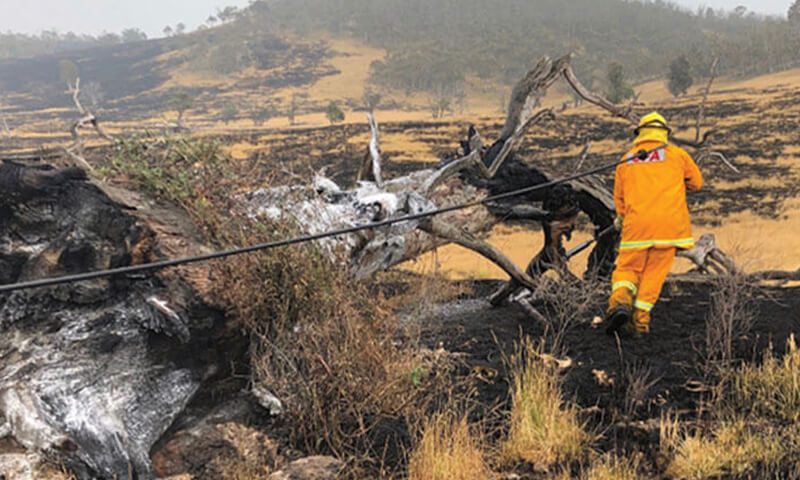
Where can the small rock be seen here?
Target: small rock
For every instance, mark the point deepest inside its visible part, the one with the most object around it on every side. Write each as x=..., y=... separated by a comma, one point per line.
x=309, y=468
x=602, y=378
x=596, y=322
x=267, y=400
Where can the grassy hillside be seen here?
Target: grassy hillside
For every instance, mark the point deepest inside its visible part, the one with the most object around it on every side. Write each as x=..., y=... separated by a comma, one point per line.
x=435, y=44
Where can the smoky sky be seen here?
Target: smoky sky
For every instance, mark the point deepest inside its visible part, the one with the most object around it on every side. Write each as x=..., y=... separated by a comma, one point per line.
x=770, y=7
x=97, y=16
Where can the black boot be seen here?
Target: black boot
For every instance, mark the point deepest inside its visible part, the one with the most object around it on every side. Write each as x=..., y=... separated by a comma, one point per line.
x=617, y=317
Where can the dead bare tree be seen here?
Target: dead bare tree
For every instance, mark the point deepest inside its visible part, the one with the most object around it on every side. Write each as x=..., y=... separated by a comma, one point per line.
x=469, y=179
x=87, y=119
x=707, y=150
x=427, y=189
x=709, y=258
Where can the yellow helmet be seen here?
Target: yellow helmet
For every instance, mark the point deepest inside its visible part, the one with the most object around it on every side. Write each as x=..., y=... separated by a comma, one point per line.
x=653, y=120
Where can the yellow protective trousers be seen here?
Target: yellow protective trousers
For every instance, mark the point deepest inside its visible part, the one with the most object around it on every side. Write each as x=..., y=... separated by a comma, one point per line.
x=638, y=279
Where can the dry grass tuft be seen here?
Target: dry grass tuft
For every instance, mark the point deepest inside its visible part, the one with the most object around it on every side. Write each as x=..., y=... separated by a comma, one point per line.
x=544, y=430
x=331, y=355
x=636, y=382
x=733, y=449
x=758, y=436
x=613, y=468
x=730, y=318
x=447, y=450
x=771, y=389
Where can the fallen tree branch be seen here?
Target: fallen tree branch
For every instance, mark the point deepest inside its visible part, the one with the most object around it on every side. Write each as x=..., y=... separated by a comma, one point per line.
x=470, y=177
x=777, y=275
x=709, y=258
x=711, y=262
x=446, y=231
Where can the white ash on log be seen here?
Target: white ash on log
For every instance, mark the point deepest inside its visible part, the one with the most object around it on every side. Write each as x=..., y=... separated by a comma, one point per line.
x=479, y=173
x=94, y=373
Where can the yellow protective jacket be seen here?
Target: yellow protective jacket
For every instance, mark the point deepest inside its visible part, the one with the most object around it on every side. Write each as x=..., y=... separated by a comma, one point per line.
x=651, y=196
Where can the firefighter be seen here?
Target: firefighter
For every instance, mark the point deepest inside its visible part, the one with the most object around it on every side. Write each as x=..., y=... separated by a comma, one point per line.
x=650, y=198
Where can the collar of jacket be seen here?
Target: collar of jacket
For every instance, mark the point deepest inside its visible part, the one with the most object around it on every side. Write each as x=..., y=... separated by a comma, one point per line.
x=651, y=135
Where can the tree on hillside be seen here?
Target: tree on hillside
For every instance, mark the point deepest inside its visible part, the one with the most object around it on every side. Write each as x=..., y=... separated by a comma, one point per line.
x=109, y=39
x=167, y=31
x=794, y=13
x=439, y=105
x=680, y=76
x=334, y=113
x=371, y=99
x=133, y=35
x=794, y=17
x=618, y=88
x=68, y=72
x=227, y=14
x=180, y=28
x=180, y=103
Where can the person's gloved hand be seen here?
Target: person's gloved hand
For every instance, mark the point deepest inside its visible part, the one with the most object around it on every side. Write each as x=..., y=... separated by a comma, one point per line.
x=618, y=222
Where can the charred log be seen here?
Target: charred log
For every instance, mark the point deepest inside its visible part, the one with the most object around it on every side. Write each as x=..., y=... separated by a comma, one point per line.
x=95, y=373
x=20, y=183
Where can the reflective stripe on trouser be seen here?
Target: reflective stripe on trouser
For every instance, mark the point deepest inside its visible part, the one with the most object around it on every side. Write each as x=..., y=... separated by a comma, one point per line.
x=646, y=270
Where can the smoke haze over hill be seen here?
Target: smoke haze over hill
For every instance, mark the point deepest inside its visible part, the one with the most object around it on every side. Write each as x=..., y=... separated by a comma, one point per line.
x=770, y=7
x=97, y=16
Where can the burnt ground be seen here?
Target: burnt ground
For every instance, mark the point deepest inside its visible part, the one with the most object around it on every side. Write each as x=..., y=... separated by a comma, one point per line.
x=765, y=181
x=671, y=357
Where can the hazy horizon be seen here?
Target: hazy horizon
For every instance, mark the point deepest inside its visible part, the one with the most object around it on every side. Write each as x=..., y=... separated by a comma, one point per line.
x=98, y=16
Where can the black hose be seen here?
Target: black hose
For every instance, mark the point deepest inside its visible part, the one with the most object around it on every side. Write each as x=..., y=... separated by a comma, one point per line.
x=49, y=282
